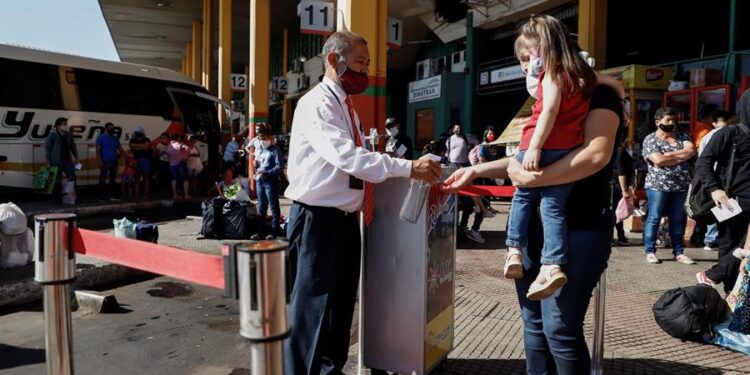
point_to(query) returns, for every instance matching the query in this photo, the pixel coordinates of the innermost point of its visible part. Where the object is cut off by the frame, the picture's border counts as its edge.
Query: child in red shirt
(128, 176)
(562, 82)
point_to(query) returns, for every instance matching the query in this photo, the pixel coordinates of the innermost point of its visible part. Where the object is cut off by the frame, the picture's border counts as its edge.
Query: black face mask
(667, 128)
(111, 131)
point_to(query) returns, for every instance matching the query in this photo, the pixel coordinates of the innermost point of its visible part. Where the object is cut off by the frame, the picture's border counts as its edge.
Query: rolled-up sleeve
(330, 139)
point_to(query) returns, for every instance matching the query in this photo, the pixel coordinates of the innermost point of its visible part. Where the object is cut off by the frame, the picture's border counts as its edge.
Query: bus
(37, 87)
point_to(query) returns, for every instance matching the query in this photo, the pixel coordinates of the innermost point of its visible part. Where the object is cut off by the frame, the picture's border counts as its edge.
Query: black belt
(332, 210)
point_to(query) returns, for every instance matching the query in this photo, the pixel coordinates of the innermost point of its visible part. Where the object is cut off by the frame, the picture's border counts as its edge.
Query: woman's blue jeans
(672, 205)
(553, 328)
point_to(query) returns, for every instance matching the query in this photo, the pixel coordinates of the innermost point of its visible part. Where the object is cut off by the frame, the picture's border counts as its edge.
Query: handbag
(44, 180)
(699, 202)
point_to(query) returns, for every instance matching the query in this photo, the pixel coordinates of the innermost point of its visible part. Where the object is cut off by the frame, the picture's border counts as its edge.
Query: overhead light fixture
(145, 70)
(162, 4)
(302, 59)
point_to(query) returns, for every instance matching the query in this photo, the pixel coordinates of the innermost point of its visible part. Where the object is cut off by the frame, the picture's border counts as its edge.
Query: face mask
(111, 131)
(667, 128)
(392, 132)
(533, 71)
(266, 144)
(490, 137)
(353, 82)
(456, 131)
(63, 129)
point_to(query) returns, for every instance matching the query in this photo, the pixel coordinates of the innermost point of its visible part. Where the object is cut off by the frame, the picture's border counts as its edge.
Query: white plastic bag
(124, 228)
(16, 250)
(12, 219)
(69, 192)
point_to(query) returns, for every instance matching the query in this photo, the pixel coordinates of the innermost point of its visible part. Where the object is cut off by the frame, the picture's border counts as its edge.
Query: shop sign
(239, 82)
(424, 89)
(395, 32)
(505, 74)
(316, 17)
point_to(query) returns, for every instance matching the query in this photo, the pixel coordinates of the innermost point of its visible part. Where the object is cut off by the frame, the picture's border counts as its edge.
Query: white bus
(37, 87)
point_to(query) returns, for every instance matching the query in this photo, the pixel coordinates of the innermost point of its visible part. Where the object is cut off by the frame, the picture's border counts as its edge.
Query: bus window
(29, 85)
(116, 93)
(198, 114)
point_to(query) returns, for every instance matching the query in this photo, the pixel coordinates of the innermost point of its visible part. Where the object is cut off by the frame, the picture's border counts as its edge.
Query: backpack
(691, 312)
(212, 225)
(145, 231)
(474, 155)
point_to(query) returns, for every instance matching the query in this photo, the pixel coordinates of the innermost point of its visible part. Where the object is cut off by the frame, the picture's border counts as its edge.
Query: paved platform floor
(488, 331)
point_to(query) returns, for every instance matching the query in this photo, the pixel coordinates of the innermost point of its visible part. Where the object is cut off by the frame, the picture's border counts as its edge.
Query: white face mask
(532, 75)
(392, 132)
(266, 144)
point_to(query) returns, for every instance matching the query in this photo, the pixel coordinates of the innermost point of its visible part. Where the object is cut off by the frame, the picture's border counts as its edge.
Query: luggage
(145, 231)
(234, 215)
(44, 180)
(213, 225)
(690, 313)
(16, 250)
(12, 219)
(124, 228)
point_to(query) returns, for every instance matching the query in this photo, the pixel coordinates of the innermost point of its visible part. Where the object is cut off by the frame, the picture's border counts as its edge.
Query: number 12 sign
(317, 17)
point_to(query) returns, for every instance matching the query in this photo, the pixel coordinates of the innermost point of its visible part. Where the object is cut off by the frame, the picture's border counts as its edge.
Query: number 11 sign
(317, 17)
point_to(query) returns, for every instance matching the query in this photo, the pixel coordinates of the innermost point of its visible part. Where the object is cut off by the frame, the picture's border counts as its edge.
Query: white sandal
(538, 292)
(513, 268)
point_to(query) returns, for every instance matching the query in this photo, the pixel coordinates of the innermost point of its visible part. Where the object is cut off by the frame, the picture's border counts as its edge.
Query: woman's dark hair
(721, 115)
(265, 131)
(174, 136)
(164, 135)
(664, 112)
(487, 130)
(60, 120)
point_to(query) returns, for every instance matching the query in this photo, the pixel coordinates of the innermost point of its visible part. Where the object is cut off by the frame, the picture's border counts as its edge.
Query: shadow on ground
(611, 366)
(13, 356)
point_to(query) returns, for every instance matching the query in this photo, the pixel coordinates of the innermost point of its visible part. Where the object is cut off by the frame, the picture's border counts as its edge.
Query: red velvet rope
(488, 191)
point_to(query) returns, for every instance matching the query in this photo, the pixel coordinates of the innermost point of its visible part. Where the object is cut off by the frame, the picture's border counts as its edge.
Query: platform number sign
(239, 82)
(395, 32)
(317, 17)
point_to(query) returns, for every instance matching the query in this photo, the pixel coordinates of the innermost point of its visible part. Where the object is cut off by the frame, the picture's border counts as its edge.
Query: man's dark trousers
(324, 256)
(731, 233)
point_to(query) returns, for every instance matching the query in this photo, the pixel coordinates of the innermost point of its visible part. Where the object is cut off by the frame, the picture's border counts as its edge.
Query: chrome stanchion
(56, 270)
(264, 301)
(597, 352)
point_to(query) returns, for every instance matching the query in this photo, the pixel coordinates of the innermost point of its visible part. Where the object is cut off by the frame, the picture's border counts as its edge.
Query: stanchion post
(597, 352)
(55, 269)
(264, 300)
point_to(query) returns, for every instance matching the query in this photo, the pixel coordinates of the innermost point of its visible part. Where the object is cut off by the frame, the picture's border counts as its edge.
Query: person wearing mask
(141, 147)
(667, 152)
(194, 164)
(704, 124)
(178, 153)
(554, 340)
(269, 165)
(164, 174)
(398, 144)
(712, 168)
(108, 153)
(720, 120)
(330, 178)
(231, 156)
(457, 148)
(622, 183)
(60, 151)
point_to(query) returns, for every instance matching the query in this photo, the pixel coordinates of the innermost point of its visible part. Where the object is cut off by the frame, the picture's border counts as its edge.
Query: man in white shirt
(458, 148)
(326, 168)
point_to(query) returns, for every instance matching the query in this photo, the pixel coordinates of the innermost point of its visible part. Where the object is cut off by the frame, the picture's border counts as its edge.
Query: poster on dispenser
(441, 244)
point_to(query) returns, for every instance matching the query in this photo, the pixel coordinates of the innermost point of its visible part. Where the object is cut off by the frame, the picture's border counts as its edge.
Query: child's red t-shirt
(567, 132)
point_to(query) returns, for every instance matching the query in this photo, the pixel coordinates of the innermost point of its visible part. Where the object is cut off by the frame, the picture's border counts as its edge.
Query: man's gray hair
(339, 43)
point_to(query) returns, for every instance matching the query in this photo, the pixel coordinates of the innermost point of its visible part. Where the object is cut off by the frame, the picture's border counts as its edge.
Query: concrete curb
(28, 290)
(85, 211)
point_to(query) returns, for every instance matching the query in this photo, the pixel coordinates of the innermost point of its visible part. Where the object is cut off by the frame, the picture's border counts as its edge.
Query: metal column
(56, 270)
(597, 351)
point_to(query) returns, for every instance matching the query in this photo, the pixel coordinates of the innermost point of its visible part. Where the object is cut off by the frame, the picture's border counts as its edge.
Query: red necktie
(367, 208)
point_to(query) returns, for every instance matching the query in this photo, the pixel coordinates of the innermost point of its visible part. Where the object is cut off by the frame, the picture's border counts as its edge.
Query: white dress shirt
(322, 153)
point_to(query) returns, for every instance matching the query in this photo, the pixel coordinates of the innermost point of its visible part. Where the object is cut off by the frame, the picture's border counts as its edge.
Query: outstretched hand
(458, 180)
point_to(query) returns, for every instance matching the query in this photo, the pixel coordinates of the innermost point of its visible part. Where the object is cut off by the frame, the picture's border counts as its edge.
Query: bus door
(199, 117)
